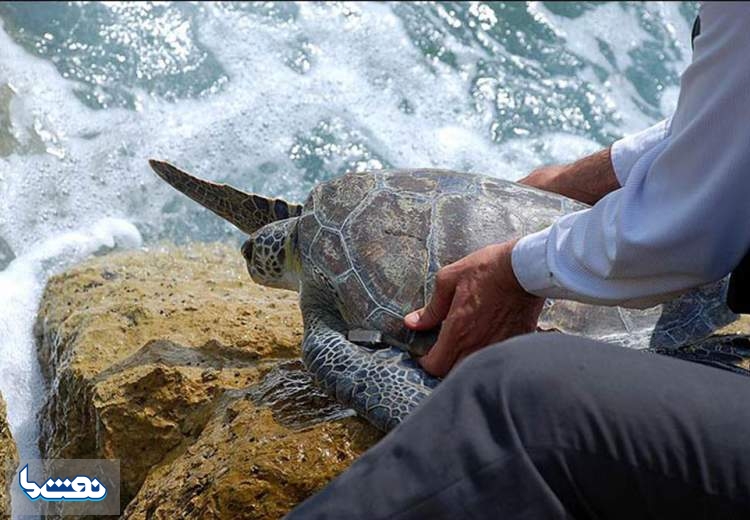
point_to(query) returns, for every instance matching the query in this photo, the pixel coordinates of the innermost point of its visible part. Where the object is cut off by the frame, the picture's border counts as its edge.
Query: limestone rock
(269, 468)
(142, 351)
(8, 457)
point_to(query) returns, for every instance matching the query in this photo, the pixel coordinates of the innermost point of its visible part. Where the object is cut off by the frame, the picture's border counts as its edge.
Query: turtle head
(271, 251)
(272, 255)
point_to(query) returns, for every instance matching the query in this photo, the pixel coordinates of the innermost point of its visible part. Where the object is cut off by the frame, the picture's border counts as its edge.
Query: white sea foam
(360, 64)
(21, 286)
(612, 24)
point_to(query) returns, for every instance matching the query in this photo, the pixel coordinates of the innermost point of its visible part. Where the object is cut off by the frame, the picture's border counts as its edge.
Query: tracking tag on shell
(365, 337)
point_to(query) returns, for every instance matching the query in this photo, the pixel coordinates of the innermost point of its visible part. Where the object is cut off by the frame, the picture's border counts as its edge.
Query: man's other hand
(479, 301)
(586, 180)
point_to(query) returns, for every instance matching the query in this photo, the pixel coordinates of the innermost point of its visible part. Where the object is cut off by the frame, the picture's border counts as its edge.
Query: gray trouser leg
(551, 426)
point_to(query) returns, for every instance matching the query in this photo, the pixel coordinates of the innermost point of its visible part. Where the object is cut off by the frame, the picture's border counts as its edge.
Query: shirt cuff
(529, 262)
(626, 151)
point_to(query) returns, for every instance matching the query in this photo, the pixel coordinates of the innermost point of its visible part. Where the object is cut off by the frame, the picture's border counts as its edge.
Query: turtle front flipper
(247, 211)
(381, 385)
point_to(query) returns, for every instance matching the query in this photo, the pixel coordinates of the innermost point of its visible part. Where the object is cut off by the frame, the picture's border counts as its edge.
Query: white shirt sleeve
(682, 216)
(626, 151)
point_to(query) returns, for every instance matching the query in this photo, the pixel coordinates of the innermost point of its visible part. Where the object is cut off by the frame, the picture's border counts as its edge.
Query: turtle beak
(247, 249)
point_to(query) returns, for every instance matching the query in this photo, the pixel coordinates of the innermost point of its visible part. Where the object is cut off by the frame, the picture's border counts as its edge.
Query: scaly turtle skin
(364, 249)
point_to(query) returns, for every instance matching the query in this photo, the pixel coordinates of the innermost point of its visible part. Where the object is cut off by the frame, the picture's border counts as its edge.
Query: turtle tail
(247, 211)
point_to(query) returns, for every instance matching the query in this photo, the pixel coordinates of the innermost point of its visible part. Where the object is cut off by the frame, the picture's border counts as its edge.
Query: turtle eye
(247, 249)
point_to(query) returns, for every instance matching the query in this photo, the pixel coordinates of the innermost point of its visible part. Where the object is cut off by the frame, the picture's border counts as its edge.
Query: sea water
(274, 97)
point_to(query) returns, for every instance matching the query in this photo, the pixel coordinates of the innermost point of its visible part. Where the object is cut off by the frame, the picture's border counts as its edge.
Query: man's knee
(521, 356)
(530, 368)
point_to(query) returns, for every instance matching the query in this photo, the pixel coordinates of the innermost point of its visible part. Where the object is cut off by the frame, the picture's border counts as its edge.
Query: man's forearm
(586, 180)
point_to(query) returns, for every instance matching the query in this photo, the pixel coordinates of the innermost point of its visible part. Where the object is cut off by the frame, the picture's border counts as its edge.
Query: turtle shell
(375, 241)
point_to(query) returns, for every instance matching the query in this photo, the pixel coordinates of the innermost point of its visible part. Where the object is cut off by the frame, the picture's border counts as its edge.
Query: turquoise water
(275, 97)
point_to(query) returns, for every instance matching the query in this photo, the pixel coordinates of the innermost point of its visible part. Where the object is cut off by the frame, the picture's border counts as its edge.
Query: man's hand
(479, 302)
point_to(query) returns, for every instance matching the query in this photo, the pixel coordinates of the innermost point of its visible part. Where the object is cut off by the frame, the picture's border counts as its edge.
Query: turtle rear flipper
(730, 352)
(247, 211)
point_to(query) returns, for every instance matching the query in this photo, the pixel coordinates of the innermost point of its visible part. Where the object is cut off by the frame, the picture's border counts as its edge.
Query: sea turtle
(364, 249)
